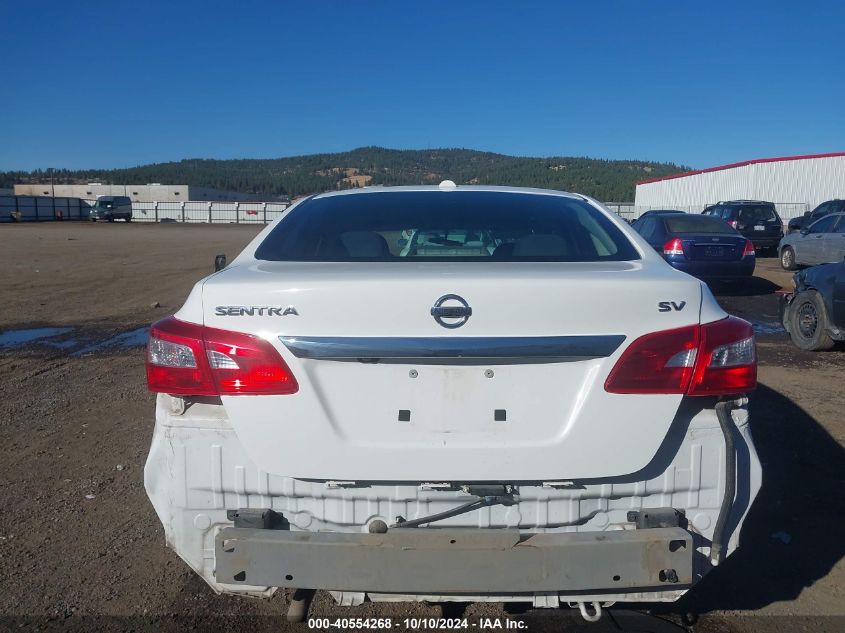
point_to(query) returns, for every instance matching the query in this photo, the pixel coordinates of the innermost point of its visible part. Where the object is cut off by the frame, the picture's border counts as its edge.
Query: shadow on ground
(753, 287)
(793, 533)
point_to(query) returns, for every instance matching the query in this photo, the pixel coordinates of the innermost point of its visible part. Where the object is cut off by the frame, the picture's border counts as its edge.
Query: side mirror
(807, 214)
(219, 262)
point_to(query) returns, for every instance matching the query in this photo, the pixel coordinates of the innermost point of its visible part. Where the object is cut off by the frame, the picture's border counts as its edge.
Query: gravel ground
(80, 546)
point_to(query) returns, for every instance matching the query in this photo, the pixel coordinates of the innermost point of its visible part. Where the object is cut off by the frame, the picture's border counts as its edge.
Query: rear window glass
(759, 213)
(446, 226)
(697, 224)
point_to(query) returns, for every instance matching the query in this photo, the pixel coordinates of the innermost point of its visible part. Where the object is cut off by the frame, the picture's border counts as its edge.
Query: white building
(794, 183)
(153, 192)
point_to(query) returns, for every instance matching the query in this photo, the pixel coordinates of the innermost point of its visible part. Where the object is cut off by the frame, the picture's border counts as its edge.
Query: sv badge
(669, 306)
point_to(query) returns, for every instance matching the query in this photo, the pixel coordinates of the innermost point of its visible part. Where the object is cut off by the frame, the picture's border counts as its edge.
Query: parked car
(831, 206)
(111, 208)
(756, 220)
(559, 421)
(705, 247)
(820, 243)
(814, 314)
(652, 212)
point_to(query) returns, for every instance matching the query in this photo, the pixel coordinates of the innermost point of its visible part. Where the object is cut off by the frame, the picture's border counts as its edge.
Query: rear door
(815, 245)
(839, 297)
(835, 241)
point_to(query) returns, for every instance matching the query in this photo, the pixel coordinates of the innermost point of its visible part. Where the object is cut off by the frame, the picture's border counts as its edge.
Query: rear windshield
(759, 213)
(445, 226)
(697, 224)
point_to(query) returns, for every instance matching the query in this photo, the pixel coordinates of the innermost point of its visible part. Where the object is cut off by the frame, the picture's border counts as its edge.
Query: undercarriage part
(258, 518)
(657, 517)
(299, 602)
(482, 502)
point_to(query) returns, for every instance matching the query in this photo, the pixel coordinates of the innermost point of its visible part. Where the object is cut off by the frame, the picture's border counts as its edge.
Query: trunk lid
(388, 394)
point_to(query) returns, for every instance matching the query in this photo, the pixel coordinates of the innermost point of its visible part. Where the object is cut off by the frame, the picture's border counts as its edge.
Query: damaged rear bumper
(427, 561)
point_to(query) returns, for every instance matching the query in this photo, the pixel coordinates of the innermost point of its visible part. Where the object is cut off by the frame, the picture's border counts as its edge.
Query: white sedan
(558, 420)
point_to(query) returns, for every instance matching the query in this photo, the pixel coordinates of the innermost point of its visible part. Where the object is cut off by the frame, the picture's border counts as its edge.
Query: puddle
(81, 342)
(767, 327)
(17, 338)
(68, 344)
(132, 338)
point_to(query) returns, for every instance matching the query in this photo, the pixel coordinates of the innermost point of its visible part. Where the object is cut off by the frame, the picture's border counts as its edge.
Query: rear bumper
(430, 561)
(765, 242)
(198, 470)
(716, 270)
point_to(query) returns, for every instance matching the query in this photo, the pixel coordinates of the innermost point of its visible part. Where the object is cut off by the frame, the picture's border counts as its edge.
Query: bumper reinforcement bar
(425, 561)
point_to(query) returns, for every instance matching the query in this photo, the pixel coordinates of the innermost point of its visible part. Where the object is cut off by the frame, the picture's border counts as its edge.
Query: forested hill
(607, 180)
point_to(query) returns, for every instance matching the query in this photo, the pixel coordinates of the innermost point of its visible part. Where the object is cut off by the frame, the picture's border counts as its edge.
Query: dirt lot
(81, 547)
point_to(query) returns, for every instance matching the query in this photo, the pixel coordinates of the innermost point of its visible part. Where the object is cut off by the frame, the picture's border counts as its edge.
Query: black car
(814, 314)
(702, 246)
(756, 220)
(831, 206)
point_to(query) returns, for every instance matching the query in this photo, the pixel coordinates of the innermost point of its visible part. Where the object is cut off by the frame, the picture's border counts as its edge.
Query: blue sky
(114, 83)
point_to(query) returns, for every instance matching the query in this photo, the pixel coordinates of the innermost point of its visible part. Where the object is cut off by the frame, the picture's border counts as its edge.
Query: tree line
(608, 180)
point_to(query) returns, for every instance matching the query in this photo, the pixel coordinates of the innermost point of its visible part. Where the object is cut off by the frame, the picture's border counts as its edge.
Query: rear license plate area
(714, 251)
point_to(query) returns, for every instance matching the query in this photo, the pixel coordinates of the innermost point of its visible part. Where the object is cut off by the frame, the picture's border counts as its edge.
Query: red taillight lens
(699, 360)
(673, 247)
(660, 362)
(176, 359)
(242, 363)
(727, 359)
(733, 223)
(189, 359)
(749, 249)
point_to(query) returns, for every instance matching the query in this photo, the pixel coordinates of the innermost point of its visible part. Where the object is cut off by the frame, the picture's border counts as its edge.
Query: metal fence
(208, 212)
(40, 209)
(36, 209)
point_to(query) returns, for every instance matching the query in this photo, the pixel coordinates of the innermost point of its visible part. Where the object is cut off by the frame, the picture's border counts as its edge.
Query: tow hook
(593, 616)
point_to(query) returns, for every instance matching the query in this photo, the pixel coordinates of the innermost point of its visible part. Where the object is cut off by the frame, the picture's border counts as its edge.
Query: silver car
(822, 242)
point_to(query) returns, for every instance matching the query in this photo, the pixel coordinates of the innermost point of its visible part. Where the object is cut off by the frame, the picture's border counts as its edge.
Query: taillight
(733, 223)
(189, 359)
(727, 359)
(749, 249)
(717, 358)
(673, 247)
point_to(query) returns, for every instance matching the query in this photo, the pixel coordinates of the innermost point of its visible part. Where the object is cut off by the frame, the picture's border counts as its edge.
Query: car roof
(746, 202)
(459, 188)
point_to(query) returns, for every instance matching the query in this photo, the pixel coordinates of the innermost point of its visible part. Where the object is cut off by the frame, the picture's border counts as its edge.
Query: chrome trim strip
(449, 347)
